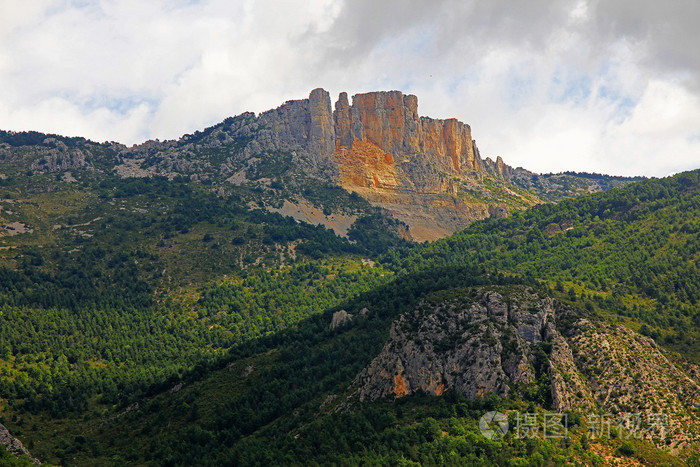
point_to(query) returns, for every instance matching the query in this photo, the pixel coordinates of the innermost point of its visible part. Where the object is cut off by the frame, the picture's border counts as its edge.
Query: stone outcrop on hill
(390, 121)
(417, 168)
(478, 348)
(386, 122)
(52, 156)
(498, 340)
(14, 445)
(339, 318)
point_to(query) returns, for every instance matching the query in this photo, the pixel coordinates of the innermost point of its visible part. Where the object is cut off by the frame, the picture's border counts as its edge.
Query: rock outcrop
(49, 155)
(497, 340)
(339, 318)
(13, 445)
(390, 121)
(478, 348)
(387, 120)
(417, 168)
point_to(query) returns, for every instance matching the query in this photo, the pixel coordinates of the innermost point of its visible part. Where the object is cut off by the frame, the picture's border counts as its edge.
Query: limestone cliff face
(303, 126)
(408, 164)
(322, 127)
(387, 121)
(379, 147)
(390, 121)
(413, 166)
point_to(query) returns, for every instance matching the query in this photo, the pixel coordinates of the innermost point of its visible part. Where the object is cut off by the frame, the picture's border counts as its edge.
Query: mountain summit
(426, 173)
(422, 170)
(382, 123)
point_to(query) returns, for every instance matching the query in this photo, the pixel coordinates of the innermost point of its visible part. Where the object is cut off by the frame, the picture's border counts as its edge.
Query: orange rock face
(366, 165)
(390, 121)
(383, 120)
(381, 123)
(405, 163)
(426, 172)
(379, 147)
(400, 389)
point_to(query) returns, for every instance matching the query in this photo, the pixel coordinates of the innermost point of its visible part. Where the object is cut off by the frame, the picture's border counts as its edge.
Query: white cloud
(60, 116)
(549, 85)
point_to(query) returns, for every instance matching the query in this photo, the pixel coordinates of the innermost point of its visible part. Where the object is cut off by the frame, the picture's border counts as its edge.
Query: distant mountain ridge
(426, 173)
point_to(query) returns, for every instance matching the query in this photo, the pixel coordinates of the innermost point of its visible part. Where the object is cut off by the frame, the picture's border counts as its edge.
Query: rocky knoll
(498, 340)
(476, 345)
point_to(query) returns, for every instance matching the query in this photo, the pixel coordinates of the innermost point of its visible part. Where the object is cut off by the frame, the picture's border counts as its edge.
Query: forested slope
(632, 252)
(154, 345)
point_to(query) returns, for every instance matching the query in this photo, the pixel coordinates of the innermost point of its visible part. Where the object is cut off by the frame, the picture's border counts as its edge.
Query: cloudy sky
(607, 86)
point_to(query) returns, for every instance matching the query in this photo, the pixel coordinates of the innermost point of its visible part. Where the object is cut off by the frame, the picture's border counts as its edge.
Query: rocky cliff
(390, 121)
(426, 172)
(509, 340)
(386, 122)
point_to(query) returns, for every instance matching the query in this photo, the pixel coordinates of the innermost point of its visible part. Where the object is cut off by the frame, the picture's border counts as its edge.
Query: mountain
(425, 173)
(586, 307)
(354, 389)
(167, 304)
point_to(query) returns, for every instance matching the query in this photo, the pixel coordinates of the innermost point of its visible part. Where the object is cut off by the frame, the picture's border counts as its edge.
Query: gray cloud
(662, 33)
(607, 86)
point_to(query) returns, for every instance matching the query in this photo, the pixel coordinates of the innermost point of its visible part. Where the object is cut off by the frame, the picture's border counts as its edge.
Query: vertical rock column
(412, 134)
(322, 137)
(343, 122)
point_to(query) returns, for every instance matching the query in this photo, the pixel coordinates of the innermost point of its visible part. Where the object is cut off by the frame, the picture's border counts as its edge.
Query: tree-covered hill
(631, 251)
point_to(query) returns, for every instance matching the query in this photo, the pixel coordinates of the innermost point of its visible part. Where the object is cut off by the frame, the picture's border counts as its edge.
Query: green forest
(129, 318)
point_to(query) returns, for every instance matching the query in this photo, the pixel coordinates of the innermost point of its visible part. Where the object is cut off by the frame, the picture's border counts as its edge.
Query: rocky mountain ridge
(426, 173)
